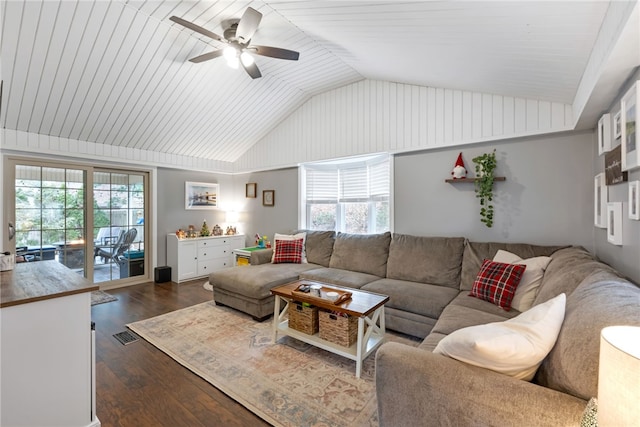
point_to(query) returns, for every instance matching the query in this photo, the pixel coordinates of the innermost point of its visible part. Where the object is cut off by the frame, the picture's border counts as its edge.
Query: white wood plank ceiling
(116, 72)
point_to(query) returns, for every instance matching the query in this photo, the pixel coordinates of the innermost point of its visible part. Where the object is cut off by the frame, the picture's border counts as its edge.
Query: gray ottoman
(248, 288)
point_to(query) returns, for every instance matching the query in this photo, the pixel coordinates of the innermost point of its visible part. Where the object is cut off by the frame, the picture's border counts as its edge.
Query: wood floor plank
(137, 384)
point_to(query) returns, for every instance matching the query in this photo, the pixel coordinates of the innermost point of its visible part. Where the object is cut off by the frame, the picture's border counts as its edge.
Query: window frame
(304, 208)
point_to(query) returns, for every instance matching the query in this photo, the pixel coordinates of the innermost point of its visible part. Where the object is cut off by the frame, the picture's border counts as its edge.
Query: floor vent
(125, 337)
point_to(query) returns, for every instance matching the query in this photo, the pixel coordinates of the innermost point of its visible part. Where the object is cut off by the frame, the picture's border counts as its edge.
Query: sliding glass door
(52, 219)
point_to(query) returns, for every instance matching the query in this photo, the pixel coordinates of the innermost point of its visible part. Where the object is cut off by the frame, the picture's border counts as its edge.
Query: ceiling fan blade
(252, 70)
(207, 56)
(275, 52)
(196, 28)
(248, 25)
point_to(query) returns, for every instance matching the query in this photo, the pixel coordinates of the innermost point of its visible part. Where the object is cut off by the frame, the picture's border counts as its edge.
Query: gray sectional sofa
(428, 280)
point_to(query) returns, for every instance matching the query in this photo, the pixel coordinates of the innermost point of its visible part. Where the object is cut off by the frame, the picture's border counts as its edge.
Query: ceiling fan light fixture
(234, 63)
(230, 53)
(247, 59)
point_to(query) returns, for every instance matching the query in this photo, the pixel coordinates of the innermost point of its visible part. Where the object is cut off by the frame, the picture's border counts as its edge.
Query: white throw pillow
(515, 347)
(302, 236)
(529, 285)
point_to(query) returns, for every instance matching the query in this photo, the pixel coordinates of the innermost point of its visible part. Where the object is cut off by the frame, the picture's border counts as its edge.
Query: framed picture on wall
(251, 190)
(600, 198)
(634, 200)
(614, 223)
(617, 125)
(629, 142)
(268, 198)
(201, 195)
(604, 134)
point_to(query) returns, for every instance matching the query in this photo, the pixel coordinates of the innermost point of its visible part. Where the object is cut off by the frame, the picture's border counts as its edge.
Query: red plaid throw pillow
(288, 251)
(496, 282)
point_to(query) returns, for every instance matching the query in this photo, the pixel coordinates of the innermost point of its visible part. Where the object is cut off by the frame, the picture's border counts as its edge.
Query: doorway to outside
(52, 218)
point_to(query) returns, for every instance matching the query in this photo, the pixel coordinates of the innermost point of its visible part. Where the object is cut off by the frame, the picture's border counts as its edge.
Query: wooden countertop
(41, 280)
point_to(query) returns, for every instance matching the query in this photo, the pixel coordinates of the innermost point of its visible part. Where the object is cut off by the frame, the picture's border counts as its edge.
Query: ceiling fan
(237, 37)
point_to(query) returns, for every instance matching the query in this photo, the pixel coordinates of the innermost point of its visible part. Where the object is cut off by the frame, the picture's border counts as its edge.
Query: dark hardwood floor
(137, 384)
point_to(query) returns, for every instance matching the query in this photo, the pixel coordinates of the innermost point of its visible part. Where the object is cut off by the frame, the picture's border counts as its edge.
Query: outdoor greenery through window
(350, 195)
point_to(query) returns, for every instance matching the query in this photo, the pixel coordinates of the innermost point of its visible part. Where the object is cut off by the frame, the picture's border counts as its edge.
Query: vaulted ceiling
(117, 72)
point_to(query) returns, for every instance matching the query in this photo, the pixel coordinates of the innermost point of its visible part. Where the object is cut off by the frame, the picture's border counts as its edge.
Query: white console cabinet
(197, 257)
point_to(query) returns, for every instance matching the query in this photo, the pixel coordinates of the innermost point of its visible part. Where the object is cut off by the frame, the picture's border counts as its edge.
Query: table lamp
(619, 377)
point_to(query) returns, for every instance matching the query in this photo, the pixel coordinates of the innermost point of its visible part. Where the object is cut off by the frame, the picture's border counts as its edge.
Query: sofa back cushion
(567, 269)
(319, 246)
(366, 253)
(432, 260)
(476, 252)
(602, 299)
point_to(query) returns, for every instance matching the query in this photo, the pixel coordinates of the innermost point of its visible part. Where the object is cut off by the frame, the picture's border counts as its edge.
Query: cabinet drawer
(212, 252)
(212, 265)
(219, 241)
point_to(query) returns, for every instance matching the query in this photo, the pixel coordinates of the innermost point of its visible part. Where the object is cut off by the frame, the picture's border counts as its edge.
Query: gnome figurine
(459, 170)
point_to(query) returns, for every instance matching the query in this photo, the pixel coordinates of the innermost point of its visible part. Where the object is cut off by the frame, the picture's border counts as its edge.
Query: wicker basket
(338, 329)
(303, 318)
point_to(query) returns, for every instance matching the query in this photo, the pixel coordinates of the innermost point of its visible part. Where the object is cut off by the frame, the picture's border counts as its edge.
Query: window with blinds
(351, 195)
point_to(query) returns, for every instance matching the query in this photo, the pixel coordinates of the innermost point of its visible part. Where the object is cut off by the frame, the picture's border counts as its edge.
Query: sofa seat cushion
(434, 260)
(476, 252)
(470, 313)
(336, 276)
(602, 299)
(365, 253)
(256, 281)
(419, 298)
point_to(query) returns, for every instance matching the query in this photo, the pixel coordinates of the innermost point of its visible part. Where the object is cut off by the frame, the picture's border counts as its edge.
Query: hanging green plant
(485, 166)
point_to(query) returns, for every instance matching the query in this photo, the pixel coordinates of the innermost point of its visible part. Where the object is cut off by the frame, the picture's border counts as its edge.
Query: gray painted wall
(546, 198)
(283, 216)
(171, 212)
(253, 217)
(624, 258)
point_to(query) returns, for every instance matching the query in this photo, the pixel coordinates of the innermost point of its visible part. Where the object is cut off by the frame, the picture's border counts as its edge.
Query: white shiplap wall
(37, 144)
(374, 116)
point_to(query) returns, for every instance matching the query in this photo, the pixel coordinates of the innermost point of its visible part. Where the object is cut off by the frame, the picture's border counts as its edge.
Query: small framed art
(604, 134)
(617, 125)
(600, 198)
(634, 200)
(268, 198)
(614, 223)
(201, 195)
(630, 151)
(251, 190)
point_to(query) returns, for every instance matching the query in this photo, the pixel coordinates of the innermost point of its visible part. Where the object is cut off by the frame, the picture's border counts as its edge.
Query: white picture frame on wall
(604, 134)
(614, 223)
(600, 198)
(629, 142)
(617, 125)
(634, 200)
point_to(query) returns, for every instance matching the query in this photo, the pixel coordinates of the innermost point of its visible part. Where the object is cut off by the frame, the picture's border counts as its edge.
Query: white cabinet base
(198, 257)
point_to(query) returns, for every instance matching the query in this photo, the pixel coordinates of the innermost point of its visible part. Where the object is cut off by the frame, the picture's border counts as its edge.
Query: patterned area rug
(100, 297)
(286, 384)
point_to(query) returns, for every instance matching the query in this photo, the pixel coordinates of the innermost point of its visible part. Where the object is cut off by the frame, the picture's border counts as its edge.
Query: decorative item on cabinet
(204, 231)
(217, 230)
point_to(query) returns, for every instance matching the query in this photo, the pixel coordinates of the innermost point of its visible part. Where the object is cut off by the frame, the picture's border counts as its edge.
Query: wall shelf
(452, 181)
